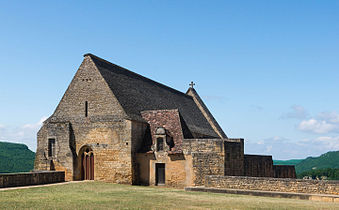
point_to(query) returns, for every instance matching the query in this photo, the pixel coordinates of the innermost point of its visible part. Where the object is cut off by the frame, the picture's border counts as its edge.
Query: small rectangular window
(86, 108)
(160, 144)
(51, 147)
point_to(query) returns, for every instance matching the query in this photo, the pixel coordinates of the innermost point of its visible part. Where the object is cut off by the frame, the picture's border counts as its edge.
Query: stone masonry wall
(178, 169)
(88, 85)
(31, 178)
(273, 184)
(62, 158)
(41, 162)
(203, 145)
(200, 157)
(111, 145)
(109, 141)
(102, 129)
(207, 158)
(207, 163)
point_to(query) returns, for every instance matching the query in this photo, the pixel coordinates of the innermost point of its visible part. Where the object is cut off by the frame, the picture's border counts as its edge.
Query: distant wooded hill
(325, 165)
(15, 158)
(287, 162)
(327, 160)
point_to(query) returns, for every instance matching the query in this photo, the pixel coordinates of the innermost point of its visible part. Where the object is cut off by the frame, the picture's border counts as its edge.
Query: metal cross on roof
(192, 84)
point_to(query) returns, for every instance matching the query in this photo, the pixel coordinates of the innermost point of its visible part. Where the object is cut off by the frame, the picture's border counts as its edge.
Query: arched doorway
(87, 164)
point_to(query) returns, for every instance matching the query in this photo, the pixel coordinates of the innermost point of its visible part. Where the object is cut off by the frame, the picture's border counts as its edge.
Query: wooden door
(160, 173)
(91, 164)
(83, 166)
(88, 166)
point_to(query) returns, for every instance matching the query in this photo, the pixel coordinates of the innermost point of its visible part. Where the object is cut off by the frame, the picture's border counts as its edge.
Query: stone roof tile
(137, 93)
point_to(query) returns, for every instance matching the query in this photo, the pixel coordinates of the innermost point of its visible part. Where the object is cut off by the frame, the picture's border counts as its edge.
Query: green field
(100, 195)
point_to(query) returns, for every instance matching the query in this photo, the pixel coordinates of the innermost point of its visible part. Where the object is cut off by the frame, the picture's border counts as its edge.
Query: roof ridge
(151, 110)
(138, 75)
(206, 112)
(137, 93)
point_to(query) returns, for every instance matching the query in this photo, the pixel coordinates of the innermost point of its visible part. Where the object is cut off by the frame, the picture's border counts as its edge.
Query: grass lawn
(100, 195)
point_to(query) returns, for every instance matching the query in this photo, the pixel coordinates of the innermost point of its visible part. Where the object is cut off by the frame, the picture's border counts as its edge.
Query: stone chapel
(118, 126)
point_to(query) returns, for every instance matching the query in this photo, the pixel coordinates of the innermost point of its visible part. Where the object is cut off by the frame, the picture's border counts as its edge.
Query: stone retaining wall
(31, 178)
(273, 184)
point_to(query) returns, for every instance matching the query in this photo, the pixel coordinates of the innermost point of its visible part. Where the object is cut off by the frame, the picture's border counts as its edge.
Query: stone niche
(163, 142)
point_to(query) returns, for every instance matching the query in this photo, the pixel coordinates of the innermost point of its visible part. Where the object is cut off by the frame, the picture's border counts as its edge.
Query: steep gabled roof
(203, 108)
(136, 93)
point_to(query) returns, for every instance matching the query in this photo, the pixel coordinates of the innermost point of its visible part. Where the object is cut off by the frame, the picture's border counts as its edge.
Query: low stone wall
(31, 178)
(273, 184)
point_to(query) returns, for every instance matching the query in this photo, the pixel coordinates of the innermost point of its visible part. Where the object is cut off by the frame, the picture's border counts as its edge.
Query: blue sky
(268, 70)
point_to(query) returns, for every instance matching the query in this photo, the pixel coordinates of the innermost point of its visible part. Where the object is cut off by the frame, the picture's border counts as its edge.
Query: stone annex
(115, 125)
